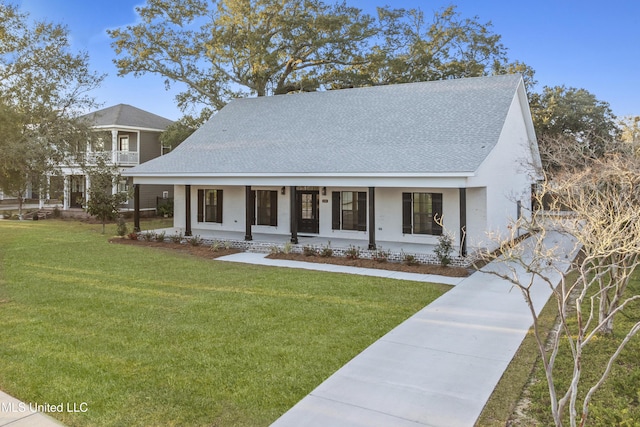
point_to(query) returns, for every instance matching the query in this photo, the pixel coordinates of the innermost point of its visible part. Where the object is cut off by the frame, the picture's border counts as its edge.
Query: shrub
(160, 237)
(410, 259)
(326, 251)
(274, 250)
(133, 236)
(352, 252)
(444, 248)
(177, 238)
(195, 240)
(309, 250)
(381, 256)
(58, 214)
(122, 227)
(148, 236)
(287, 248)
(216, 245)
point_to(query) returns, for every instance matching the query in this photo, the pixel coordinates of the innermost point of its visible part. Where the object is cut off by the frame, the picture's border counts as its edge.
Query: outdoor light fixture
(324, 191)
(282, 190)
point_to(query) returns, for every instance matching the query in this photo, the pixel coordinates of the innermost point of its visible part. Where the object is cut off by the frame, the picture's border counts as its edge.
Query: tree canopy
(233, 48)
(571, 125)
(43, 87)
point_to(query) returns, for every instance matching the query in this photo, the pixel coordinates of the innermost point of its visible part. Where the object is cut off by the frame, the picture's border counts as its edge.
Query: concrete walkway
(438, 368)
(15, 413)
(259, 258)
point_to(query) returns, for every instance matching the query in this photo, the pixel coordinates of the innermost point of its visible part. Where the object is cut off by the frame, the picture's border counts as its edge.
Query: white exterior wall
(507, 175)
(388, 208)
(389, 214)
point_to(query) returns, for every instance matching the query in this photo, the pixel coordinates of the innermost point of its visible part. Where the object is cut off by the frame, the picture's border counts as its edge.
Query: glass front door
(308, 211)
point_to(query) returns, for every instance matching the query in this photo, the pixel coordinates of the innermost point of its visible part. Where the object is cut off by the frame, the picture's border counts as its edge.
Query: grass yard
(617, 403)
(149, 337)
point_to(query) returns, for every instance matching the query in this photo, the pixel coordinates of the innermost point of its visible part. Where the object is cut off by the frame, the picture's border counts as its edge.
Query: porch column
(293, 212)
(87, 186)
(114, 146)
(187, 210)
(66, 192)
(136, 208)
(463, 221)
(372, 218)
(248, 212)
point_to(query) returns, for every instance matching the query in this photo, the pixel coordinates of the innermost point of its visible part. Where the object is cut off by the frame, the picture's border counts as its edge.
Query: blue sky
(590, 44)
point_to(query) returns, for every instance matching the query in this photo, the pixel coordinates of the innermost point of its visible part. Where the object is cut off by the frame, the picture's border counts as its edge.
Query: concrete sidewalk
(438, 368)
(259, 259)
(15, 413)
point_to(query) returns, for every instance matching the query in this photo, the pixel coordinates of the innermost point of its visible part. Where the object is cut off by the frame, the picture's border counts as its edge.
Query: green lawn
(617, 403)
(148, 337)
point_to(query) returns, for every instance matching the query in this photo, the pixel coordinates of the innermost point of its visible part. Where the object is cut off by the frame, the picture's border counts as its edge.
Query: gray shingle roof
(127, 115)
(431, 127)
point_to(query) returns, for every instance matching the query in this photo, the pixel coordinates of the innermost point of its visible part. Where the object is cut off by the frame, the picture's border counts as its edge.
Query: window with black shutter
(420, 213)
(210, 206)
(349, 210)
(267, 207)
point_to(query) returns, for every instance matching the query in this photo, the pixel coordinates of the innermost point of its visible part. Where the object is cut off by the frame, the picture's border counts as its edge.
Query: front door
(76, 191)
(308, 210)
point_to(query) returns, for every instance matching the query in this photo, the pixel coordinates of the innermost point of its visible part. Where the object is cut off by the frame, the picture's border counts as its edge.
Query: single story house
(399, 163)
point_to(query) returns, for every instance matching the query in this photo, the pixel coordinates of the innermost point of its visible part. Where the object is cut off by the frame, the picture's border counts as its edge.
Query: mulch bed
(205, 251)
(202, 251)
(369, 263)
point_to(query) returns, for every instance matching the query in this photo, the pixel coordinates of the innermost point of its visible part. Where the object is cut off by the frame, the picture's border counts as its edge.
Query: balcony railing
(123, 158)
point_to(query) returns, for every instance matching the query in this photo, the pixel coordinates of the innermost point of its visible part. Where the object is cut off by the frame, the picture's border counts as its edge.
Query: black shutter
(219, 207)
(436, 205)
(335, 210)
(273, 217)
(362, 211)
(200, 205)
(407, 213)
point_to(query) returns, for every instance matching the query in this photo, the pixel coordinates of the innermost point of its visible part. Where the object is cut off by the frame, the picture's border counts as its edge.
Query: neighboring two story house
(387, 163)
(131, 137)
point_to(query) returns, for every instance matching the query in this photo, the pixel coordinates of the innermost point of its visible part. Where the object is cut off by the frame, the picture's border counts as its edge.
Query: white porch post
(66, 192)
(114, 146)
(87, 185)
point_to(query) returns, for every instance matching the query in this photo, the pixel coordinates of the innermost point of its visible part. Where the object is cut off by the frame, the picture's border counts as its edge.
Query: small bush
(58, 214)
(352, 252)
(216, 245)
(309, 250)
(326, 251)
(121, 228)
(148, 236)
(410, 259)
(444, 248)
(132, 236)
(177, 238)
(195, 241)
(226, 244)
(286, 249)
(274, 250)
(381, 256)
(161, 237)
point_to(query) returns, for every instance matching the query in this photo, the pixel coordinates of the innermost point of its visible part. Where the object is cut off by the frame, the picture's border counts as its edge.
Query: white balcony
(120, 158)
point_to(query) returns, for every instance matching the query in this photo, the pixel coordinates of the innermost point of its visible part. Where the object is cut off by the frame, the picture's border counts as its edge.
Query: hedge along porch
(374, 164)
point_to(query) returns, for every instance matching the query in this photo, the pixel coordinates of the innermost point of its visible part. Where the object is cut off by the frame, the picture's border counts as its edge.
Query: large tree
(570, 120)
(230, 48)
(43, 89)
